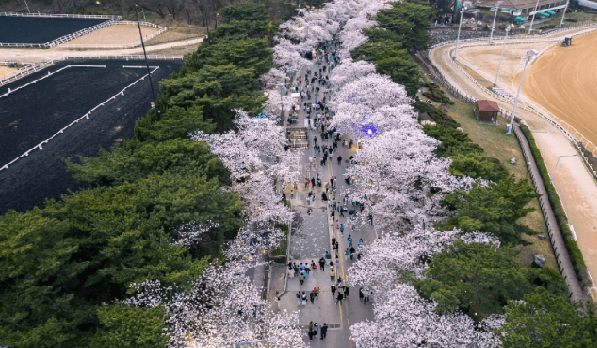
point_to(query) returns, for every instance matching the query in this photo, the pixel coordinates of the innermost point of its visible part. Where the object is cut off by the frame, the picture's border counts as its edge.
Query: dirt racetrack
(117, 34)
(43, 108)
(5, 70)
(576, 187)
(564, 81)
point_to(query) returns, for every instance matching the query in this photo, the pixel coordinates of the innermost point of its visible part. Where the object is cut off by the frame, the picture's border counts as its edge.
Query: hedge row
(554, 201)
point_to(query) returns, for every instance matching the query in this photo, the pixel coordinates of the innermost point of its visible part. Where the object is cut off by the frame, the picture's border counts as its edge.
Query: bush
(554, 201)
(438, 115)
(436, 94)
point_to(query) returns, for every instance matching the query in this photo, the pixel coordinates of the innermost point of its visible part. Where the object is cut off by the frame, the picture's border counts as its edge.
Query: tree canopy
(494, 209)
(480, 279)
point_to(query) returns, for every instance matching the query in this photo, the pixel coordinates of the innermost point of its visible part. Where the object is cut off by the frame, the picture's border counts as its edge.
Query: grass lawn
(581, 16)
(503, 147)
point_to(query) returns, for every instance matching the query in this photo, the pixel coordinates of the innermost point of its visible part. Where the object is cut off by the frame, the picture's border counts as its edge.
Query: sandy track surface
(564, 81)
(42, 55)
(112, 35)
(576, 186)
(4, 71)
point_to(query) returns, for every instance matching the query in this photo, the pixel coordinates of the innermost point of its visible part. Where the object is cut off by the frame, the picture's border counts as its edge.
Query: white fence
(128, 56)
(569, 131)
(86, 116)
(52, 15)
(129, 45)
(27, 70)
(62, 39)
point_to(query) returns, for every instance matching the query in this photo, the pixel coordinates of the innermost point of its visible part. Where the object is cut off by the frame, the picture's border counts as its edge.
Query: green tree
(252, 54)
(544, 320)
(409, 19)
(475, 278)
(175, 123)
(453, 142)
(389, 59)
(478, 166)
(37, 270)
(241, 21)
(218, 89)
(136, 160)
(134, 327)
(494, 209)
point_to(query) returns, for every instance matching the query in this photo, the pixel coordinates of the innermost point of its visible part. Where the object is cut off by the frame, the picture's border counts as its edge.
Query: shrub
(554, 201)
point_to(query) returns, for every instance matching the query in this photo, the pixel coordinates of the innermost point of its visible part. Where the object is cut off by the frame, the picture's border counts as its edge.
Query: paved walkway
(37, 55)
(311, 238)
(575, 185)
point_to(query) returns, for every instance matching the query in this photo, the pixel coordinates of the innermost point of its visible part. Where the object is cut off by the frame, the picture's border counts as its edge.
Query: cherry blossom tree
(221, 308)
(404, 319)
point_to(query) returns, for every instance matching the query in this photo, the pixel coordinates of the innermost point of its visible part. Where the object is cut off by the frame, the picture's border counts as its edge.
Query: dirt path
(112, 35)
(577, 189)
(5, 71)
(40, 55)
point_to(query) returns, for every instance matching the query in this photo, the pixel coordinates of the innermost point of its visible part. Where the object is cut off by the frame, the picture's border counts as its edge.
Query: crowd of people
(313, 85)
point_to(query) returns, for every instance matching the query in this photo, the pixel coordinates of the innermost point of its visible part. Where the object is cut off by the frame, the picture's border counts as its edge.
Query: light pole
(564, 13)
(497, 4)
(530, 54)
(458, 38)
(502, 56)
(556, 168)
(532, 19)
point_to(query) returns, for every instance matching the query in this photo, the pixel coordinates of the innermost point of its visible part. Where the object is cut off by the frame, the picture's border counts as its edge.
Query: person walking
(346, 292)
(339, 298)
(311, 331)
(346, 253)
(312, 297)
(339, 160)
(371, 297)
(322, 264)
(366, 293)
(324, 330)
(302, 278)
(361, 294)
(352, 250)
(333, 287)
(341, 228)
(349, 241)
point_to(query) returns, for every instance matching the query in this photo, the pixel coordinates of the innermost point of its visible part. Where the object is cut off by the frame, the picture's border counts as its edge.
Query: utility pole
(155, 100)
(206, 22)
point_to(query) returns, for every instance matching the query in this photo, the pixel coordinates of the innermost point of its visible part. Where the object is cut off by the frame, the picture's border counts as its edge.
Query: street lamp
(458, 38)
(530, 54)
(239, 344)
(532, 19)
(497, 4)
(556, 168)
(564, 13)
(502, 56)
